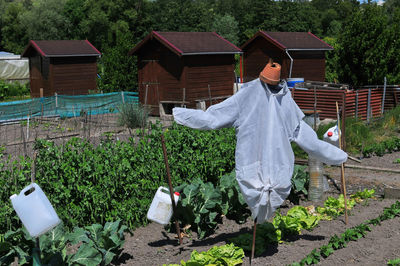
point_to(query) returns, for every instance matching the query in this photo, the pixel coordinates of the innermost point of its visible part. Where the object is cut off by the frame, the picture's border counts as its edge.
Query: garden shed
(67, 67)
(184, 69)
(301, 54)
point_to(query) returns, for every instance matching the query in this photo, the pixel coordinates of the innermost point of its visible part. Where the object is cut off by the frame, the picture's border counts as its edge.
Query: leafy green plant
(351, 234)
(133, 115)
(226, 255)
(365, 194)
(394, 262)
(397, 160)
(98, 245)
(296, 219)
(300, 182)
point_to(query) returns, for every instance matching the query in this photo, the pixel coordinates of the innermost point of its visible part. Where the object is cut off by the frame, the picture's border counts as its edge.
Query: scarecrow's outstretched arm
(308, 140)
(216, 116)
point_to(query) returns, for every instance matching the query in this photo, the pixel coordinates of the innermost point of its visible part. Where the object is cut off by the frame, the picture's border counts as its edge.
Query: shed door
(150, 86)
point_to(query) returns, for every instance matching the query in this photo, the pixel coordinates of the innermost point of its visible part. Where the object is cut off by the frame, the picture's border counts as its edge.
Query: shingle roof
(292, 40)
(62, 48)
(191, 43)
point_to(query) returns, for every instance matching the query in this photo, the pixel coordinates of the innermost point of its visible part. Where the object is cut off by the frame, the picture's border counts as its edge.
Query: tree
(227, 27)
(45, 20)
(13, 32)
(368, 48)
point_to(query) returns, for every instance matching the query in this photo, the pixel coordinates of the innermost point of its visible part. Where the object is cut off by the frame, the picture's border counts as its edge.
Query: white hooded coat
(265, 123)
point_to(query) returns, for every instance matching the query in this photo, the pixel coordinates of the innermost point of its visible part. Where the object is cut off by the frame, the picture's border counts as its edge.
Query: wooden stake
(342, 170)
(253, 247)
(171, 189)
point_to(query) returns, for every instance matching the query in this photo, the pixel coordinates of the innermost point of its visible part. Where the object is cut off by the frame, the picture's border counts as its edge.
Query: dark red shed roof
(292, 40)
(191, 43)
(61, 48)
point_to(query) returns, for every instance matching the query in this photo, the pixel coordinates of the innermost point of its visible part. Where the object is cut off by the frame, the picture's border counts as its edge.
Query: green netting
(66, 106)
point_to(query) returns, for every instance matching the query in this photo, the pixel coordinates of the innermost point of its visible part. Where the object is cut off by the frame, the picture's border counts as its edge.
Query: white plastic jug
(160, 210)
(35, 210)
(332, 136)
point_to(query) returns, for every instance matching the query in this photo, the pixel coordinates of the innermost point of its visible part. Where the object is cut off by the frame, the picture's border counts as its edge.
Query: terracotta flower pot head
(271, 73)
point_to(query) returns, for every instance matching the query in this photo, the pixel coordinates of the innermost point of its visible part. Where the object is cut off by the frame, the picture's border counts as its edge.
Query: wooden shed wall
(67, 76)
(256, 56)
(162, 73)
(73, 75)
(169, 77)
(309, 65)
(216, 71)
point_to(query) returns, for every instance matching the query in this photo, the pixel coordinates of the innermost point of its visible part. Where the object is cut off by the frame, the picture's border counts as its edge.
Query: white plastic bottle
(160, 210)
(35, 210)
(332, 136)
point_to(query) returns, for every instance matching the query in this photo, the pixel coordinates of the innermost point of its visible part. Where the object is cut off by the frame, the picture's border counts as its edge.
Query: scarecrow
(266, 120)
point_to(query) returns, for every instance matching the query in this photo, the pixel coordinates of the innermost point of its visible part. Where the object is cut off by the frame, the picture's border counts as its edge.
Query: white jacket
(265, 124)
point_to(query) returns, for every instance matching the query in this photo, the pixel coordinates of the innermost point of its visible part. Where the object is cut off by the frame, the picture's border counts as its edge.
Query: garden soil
(154, 245)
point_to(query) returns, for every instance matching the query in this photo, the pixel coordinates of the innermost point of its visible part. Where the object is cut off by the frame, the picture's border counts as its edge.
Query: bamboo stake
(253, 247)
(171, 189)
(342, 170)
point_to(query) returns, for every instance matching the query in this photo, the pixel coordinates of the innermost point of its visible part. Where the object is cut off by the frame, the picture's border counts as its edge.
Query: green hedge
(115, 180)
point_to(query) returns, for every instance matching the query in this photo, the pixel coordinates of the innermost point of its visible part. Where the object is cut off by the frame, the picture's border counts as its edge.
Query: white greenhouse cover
(266, 121)
(13, 67)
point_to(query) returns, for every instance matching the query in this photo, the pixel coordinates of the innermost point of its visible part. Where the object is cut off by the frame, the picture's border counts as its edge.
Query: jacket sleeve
(325, 152)
(216, 116)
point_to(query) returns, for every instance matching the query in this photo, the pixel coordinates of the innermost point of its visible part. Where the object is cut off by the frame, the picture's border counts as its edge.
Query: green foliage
(89, 184)
(202, 204)
(98, 245)
(365, 194)
(351, 234)
(394, 262)
(300, 181)
(10, 90)
(227, 27)
(365, 48)
(133, 115)
(296, 219)
(226, 255)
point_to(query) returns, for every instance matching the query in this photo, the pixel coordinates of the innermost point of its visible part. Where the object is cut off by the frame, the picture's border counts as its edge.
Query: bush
(133, 115)
(8, 90)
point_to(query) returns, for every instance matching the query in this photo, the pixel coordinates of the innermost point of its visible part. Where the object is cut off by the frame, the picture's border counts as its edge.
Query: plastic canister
(316, 186)
(332, 136)
(160, 210)
(35, 210)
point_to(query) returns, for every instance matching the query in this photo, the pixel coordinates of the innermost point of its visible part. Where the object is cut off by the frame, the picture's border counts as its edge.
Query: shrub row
(115, 180)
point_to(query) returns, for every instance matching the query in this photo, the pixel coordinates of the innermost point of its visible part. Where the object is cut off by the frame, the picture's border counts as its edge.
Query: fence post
(383, 96)
(122, 96)
(56, 98)
(356, 104)
(41, 99)
(369, 105)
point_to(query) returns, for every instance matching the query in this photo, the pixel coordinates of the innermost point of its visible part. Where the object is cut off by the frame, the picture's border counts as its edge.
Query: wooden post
(41, 99)
(253, 246)
(171, 189)
(383, 96)
(343, 181)
(209, 94)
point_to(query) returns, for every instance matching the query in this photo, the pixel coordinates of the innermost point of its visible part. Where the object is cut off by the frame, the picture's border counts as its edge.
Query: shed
(67, 67)
(184, 68)
(301, 54)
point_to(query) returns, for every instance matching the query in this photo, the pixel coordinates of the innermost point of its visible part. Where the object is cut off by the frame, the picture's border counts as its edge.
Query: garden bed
(153, 245)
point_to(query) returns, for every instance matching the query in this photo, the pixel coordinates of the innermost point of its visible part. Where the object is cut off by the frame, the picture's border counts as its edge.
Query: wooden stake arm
(171, 189)
(343, 185)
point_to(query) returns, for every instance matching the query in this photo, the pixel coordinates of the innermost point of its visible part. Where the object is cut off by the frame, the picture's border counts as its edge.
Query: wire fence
(60, 118)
